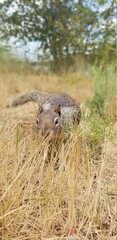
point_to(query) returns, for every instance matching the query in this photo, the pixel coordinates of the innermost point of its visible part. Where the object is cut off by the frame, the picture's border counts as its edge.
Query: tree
(64, 28)
(106, 30)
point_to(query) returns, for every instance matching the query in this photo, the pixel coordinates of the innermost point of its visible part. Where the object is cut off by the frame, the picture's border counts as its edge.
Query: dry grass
(37, 202)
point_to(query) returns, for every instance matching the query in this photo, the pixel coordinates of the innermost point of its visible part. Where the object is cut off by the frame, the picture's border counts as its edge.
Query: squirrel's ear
(40, 110)
(58, 109)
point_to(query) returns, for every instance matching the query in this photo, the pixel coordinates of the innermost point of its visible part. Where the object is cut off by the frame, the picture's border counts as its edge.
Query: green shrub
(105, 88)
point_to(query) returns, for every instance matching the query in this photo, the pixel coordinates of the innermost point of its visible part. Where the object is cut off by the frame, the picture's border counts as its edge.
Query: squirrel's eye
(37, 122)
(56, 121)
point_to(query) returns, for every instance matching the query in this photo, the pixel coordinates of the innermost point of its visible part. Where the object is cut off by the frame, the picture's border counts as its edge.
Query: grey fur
(34, 96)
(68, 111)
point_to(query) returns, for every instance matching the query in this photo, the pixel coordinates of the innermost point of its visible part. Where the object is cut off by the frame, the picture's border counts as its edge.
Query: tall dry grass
(79, 199)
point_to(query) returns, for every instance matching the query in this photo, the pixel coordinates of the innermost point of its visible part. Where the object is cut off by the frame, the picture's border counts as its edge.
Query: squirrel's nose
(46, 130)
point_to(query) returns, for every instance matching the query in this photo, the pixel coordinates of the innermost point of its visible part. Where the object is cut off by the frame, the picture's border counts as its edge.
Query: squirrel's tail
(35, 96)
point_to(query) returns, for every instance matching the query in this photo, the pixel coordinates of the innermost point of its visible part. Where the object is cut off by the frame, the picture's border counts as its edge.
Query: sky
(28, 52)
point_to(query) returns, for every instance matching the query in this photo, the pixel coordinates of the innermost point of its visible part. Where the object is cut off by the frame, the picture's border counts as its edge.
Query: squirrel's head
(49, 122)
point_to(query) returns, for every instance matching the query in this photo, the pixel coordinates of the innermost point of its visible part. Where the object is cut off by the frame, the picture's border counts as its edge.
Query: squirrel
(56, 111)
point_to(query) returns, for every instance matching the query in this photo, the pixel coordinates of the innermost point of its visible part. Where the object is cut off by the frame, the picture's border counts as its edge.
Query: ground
(38, 202)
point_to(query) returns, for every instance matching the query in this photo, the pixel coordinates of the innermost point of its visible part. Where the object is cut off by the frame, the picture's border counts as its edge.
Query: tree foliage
(64, 28)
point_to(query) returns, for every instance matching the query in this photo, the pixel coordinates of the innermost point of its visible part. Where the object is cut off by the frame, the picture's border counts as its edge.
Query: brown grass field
(39, 202)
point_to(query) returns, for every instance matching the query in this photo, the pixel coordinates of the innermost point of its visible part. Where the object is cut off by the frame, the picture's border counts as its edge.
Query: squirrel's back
(56, 111)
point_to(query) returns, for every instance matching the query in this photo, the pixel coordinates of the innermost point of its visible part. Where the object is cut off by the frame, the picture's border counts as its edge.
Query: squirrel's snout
(46, 130)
